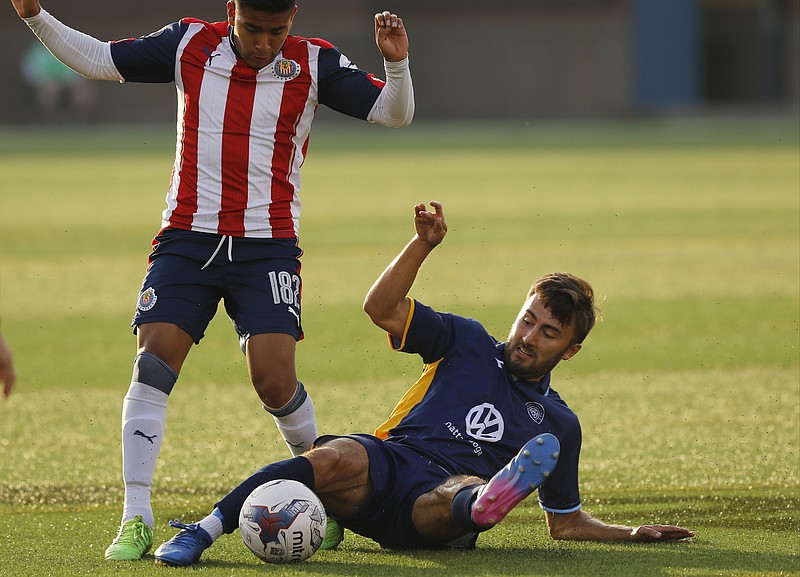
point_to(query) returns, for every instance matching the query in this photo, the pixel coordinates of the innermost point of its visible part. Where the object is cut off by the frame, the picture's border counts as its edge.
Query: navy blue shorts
(258, 280)
(400, 476)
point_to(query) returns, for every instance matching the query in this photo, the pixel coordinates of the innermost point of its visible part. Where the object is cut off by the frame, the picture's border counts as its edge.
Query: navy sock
(461, 509)
(296, 469)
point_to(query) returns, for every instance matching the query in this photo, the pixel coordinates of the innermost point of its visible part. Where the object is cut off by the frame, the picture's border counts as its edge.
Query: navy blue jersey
(469, 415)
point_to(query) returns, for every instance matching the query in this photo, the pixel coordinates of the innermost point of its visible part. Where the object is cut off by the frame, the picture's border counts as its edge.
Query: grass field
(688, 391)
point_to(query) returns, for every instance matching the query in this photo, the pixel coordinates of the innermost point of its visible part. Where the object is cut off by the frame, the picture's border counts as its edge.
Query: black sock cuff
(461, 510)
(300, 396)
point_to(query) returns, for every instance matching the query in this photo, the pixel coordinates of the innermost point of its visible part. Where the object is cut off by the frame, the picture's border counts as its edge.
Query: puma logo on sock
(137, 432)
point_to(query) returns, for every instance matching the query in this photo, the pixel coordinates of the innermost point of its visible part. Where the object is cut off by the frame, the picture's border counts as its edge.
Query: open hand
(660, 533)
(431, 226)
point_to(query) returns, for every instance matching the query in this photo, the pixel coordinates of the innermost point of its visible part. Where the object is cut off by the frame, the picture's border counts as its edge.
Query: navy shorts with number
(258, 280)
(399, 477)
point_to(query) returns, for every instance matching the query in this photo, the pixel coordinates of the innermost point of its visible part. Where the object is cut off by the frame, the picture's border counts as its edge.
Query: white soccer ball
(282, 521)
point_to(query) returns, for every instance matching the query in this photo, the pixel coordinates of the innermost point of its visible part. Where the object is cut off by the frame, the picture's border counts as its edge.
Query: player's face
(259, 35)
(537, 342)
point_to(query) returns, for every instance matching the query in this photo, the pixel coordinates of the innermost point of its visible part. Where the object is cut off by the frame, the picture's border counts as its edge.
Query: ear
(231, 8)
(571, 351)
(291, 19)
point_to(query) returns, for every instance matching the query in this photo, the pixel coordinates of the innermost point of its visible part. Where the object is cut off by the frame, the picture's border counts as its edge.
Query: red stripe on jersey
(320, 42)
(192, 69)
(376, 81)
(293, 103)
(236, 149)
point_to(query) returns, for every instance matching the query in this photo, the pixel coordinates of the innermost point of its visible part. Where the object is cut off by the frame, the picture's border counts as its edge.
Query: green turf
(688, 391)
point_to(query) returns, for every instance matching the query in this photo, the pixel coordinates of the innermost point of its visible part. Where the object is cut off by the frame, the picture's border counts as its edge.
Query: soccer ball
(282, 521)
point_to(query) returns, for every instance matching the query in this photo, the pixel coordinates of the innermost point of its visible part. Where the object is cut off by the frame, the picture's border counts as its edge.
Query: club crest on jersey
(147, 300)
(286, 70)
(535, 412)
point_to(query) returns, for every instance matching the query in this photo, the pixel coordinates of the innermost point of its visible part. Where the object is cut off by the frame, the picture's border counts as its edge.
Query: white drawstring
(219, 246)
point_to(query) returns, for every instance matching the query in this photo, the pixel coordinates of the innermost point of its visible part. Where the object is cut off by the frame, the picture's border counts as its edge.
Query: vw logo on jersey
(147, 299)
(285, 70)
(535, 412)
(485, 423)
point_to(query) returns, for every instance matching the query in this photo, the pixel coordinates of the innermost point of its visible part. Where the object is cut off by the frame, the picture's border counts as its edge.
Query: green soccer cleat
(334, 534)
(133, 540)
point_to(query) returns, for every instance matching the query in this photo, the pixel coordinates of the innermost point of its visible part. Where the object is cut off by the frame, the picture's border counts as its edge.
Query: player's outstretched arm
(85, 54)
(580, 526)
(26, 8)
(386, 302)
(390, 36)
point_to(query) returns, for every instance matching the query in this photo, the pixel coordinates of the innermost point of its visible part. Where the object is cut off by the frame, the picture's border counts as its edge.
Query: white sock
(144, 413)
(296, 422)
(212, 525)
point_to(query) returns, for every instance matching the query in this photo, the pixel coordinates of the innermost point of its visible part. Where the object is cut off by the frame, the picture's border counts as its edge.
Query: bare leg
(432, 514)
(271, 362)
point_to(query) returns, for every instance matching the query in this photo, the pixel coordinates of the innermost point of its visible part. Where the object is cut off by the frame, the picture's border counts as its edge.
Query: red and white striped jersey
(242, 133)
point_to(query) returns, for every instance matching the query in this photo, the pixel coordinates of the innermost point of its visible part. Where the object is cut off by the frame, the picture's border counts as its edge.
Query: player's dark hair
(568, 298)
(271, 6)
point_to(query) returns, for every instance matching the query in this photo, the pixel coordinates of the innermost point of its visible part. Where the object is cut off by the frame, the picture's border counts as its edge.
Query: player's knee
(340, 464)
(280, 397)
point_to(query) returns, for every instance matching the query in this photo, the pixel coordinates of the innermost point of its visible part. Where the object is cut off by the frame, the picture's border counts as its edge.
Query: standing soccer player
(247, 93)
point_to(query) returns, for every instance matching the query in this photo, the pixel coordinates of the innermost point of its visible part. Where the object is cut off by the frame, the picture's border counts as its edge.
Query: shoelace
(216, 252)
(133, 535)
(192, 527)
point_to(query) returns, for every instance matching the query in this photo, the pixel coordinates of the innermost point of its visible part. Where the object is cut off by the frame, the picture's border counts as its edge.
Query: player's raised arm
(26, 8)
(386, 302)
(395, 105)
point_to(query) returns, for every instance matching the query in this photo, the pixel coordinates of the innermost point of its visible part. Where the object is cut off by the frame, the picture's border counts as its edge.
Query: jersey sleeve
(344, 87)
(150, 58)
(560, 493)
(428, 333)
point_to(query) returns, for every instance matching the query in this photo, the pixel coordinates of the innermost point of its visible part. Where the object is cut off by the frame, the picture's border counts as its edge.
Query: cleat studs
(537, 463)
(545, 474)
(532, 485)
(540, 441)
(479, 508)
(521, 469)
(555, 455)
(526, 452)
(492, 497)
(491, 520)
(504, 510)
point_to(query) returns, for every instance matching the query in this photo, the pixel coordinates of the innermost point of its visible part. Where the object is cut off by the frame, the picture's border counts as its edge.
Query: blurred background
(519, 59)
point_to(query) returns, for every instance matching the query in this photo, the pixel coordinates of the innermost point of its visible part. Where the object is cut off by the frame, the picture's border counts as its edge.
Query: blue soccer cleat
(185, 548)
(521, 477)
